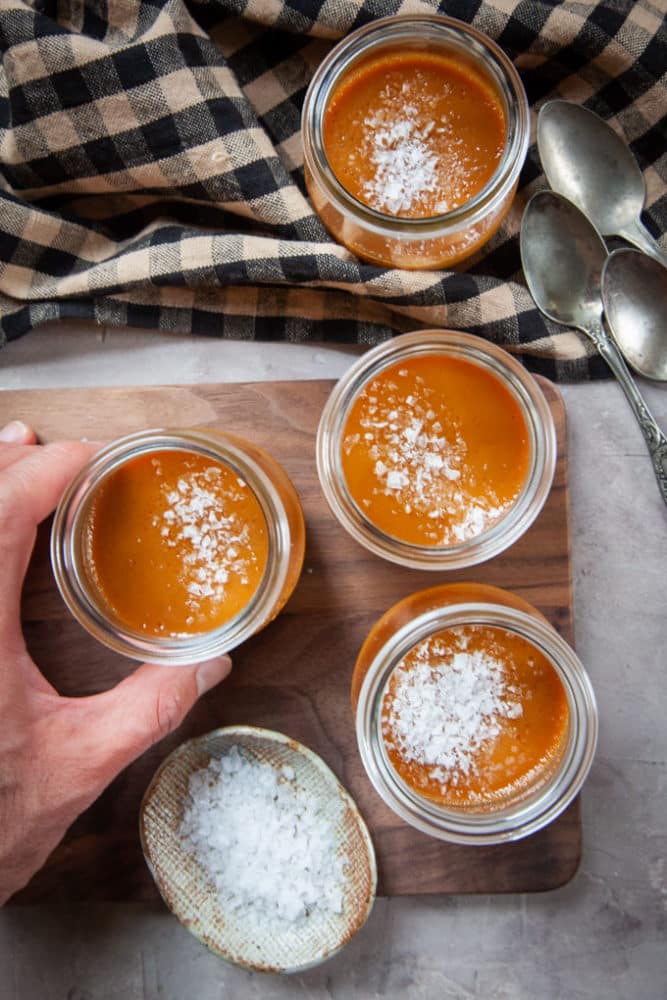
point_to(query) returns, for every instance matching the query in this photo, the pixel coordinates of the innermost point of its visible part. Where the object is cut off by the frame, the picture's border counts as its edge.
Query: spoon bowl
(563, 258)
(634, 293)
(585, 160)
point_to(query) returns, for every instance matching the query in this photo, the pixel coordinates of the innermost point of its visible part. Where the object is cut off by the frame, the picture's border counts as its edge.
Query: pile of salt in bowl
(265, 843)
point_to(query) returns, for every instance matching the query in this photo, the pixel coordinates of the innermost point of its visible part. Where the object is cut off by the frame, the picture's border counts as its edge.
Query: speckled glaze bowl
(183, 883)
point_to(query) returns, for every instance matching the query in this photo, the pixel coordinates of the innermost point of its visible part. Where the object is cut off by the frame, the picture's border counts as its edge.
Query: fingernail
(16, 432)
(212, 672)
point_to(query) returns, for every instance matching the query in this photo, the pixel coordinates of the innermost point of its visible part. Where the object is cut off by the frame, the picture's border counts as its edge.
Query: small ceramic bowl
(184, 885)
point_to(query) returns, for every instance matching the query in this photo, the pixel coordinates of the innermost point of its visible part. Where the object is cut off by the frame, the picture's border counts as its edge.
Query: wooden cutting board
(295, 675)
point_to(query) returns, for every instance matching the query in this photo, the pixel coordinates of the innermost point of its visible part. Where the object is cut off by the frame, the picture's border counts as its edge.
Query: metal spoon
(563, 255)
(585, 160)
(634, 295)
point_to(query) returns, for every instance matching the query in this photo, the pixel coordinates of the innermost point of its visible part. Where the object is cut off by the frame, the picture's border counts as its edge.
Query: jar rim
(497, 66)
(539, 424)
(485, 826)
(92, 612)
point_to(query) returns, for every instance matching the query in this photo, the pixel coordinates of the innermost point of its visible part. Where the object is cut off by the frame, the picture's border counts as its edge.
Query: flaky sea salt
(267, 845)
(214, 542)
(419, 464)
(404, 167)
(448, 703)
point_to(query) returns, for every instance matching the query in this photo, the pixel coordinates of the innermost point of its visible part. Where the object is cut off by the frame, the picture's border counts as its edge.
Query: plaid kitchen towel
(151, 167)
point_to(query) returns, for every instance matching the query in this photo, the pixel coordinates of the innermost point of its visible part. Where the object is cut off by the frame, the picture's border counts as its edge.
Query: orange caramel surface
(177, 543)
(413, 134)
(434, 450)
(474, 716)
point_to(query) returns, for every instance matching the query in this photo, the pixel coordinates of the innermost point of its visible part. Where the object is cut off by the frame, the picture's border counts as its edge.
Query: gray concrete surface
(601, 936)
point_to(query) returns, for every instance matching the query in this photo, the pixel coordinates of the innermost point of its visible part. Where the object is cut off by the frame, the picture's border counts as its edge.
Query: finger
(143, 709)
(29, 490)
(16, 432)
(16, 440)
(10, 454)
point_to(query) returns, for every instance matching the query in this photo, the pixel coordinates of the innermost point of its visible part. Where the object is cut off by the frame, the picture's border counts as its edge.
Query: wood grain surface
(295, 675)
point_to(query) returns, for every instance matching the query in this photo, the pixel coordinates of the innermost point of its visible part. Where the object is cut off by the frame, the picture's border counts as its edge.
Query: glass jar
(422, 243)
(539, 424)
(427, 613)
(285, 539)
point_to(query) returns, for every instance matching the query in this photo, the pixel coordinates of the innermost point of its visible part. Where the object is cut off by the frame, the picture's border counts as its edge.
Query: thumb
(146, 707)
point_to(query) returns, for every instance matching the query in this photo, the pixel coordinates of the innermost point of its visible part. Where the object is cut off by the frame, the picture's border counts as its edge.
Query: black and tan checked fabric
(151, 167)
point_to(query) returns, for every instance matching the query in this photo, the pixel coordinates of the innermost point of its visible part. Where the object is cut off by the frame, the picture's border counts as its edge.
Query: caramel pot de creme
(475, 720)
(415, 130)
(176, 545)
(436, 450)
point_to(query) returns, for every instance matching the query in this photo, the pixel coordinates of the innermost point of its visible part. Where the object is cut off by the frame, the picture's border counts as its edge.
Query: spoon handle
(655, 439)
(637, 234)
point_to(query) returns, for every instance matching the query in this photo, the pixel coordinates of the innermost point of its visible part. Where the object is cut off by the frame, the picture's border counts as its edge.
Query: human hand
(58, 754)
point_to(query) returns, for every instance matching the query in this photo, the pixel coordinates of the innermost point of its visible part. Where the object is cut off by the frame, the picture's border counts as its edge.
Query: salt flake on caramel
(414, 134)
(435, 450)
(474, 716)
